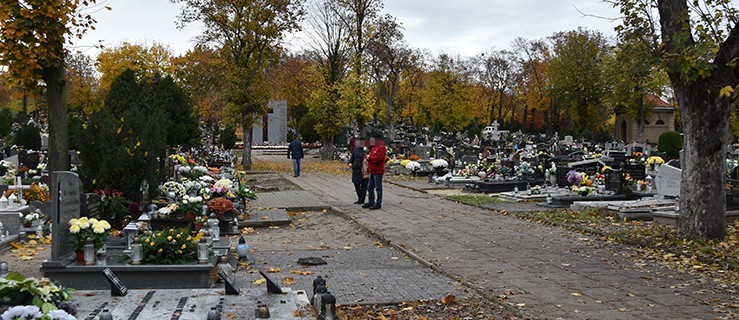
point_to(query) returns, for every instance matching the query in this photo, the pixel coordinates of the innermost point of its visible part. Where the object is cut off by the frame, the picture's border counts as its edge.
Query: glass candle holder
(203, 251)
(89, 250)
(136, 253)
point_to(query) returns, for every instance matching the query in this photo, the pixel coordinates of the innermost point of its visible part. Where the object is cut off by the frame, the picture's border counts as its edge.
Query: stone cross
(19, 187)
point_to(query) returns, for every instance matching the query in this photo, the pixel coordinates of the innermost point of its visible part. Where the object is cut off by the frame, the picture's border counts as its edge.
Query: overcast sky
(464, 27)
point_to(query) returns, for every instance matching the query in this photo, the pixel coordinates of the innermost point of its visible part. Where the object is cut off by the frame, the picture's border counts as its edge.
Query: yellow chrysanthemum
(179, 236)
(183, 247)
(179, 251)
(152, 243)
(160, 250)
(169, 238)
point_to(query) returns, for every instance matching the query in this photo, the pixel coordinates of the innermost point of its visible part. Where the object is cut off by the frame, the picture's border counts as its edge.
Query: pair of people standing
(367, 172)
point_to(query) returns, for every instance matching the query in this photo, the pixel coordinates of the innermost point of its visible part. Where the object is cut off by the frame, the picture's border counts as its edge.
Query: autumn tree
(410, 93)
(357, 16)
(495, 72)
(32, 48)
(634, 74)
(698, 45)
(85, 95)
(577, 72)
(448, 95)
(534, 83)
(144, 60)
(293, 79)
(387, 57)
(201, 74)
(249, 33)
(330, 55)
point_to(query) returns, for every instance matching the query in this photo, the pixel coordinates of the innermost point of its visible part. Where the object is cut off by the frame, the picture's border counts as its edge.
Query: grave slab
(267, 218)
(191, 304)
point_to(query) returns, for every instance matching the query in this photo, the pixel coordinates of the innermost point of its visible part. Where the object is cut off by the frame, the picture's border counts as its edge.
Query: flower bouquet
(574, 178)
(84, 228)
(413, 166)
(439, 164)
(27, 219)
(173, 186)
(191, 206)
(220, 206)
(246, 193)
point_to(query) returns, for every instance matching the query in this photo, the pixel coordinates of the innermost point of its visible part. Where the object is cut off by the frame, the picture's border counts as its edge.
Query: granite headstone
(668, 179)
(66, 190)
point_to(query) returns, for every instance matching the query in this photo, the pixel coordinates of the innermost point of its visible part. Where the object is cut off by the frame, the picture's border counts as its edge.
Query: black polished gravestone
(614, 180)
(496, 186)
(92, 206)
(636, 171)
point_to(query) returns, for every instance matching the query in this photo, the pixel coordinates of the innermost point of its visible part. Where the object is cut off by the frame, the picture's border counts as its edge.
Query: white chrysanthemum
(413, 165)
(73, 222)
(75, 228)
(98, 228)
(93, 221)
(105, 224)
(184, 201)
(84, 224)
(439, 163)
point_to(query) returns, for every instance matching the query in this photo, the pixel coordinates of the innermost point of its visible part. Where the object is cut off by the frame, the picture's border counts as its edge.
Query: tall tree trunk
(246, 158)
(703, 186)
(390, 120)
(705, 114)
(327, 152)
(24, 112)
(58, 131)
(525, 117)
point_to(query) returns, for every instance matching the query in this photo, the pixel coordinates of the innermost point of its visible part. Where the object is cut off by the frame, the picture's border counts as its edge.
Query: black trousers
(361, 189)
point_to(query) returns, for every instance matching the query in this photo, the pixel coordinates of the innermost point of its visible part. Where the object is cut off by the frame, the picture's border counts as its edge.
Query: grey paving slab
(365, 276)
(291, 200)
(546, 263)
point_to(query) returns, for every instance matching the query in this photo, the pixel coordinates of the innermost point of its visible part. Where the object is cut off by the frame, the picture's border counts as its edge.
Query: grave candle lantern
(203, 251)
(328, 307)
(136, 252)
(89, 250)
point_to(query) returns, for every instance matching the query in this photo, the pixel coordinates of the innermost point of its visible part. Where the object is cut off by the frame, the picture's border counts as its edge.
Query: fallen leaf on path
(288, 281)
(302, 272)
(448, 299)
(576, 294)
(259, 281)
(274, 270)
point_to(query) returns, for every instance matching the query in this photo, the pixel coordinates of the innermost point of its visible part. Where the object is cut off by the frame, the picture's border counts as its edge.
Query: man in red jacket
(376, 168)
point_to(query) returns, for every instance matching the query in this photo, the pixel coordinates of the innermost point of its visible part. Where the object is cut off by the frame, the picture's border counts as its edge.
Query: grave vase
(79, 255)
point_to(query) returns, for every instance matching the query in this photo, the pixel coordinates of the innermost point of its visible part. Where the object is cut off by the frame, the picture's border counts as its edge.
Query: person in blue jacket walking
(295, 149)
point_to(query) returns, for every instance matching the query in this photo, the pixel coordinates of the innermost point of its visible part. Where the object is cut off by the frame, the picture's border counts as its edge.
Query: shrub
(6, 122)
(227, 139)
(670, 142)
(29, 137)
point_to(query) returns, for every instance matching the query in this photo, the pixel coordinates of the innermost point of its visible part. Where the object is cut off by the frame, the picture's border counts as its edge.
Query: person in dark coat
(296, 150)
(357, 162)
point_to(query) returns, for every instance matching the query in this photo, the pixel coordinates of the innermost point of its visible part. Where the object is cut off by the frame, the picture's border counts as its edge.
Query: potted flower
(84, 228)
(655, 162)
(171, 246)
(172, 188)
(190, 206)
(31, 219)
(220, 206)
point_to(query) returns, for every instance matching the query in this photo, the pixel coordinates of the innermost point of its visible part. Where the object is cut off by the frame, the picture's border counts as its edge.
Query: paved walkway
(549, 272)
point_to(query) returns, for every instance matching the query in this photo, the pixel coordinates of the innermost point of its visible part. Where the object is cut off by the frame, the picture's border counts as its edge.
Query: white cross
(20, 187)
